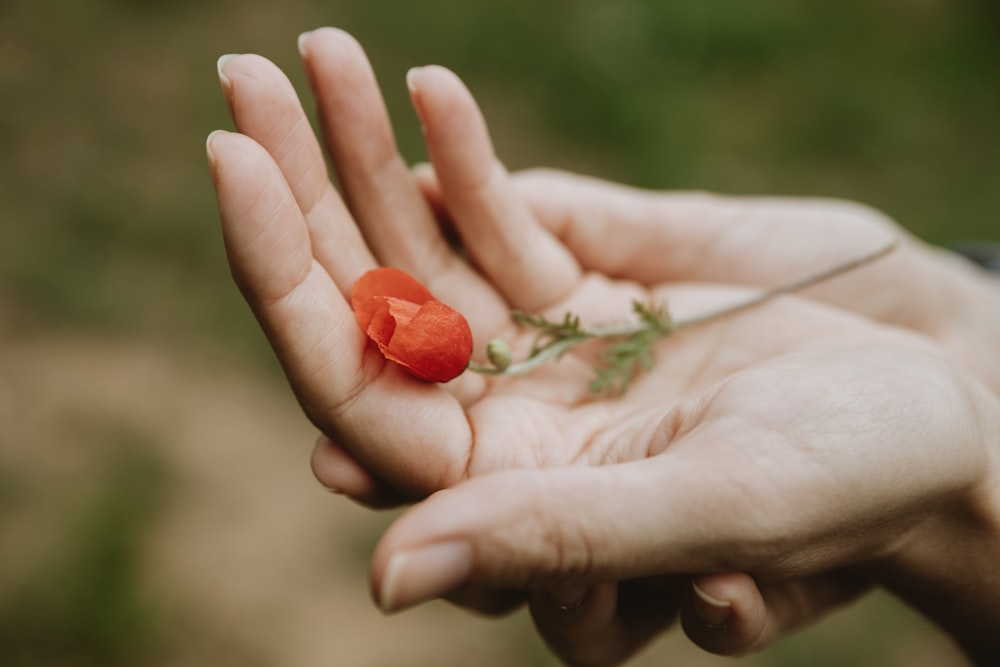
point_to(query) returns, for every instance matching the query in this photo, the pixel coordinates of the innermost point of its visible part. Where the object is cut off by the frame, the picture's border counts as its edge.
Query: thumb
(535, 528)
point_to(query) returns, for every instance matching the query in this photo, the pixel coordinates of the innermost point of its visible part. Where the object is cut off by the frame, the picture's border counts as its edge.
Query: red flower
(411, 327)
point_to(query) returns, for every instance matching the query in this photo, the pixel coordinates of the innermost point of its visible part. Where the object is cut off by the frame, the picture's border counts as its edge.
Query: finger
(619, 230)
(528, 265)
(265, 107)
(668, 236)
(729, 614)
(413, 434)
(335, 468)
(383, 196)
(603, 624)
(266, 239)
(530, 528)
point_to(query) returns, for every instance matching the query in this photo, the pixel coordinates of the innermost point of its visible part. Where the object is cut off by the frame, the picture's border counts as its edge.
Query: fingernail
(567, 598)
(410, 75)
(411, 85)
(424, 169)
(303, 38)
(208, 145)
(709, 609)
(423, 574)
(220, 65)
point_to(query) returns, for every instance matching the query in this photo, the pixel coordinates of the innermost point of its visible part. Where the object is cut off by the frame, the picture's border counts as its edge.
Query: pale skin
(783, 460)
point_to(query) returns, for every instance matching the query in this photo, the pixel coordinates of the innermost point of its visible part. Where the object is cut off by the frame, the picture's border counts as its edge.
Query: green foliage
(622, 360)
(108, 213)
(630, 348)
(551, 332)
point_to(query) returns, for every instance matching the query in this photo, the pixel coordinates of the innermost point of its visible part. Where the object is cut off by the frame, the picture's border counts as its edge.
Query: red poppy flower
(411, 327)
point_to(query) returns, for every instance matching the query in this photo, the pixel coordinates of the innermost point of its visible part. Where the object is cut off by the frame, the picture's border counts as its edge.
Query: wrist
(947, 566)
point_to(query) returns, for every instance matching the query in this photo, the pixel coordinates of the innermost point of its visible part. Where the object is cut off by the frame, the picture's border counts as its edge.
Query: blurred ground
(156, 506)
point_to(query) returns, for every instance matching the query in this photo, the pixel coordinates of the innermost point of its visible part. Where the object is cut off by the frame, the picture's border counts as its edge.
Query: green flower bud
(498, 353)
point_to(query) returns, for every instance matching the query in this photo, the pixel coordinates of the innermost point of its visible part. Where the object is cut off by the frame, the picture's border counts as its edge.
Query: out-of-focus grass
(107, 220)
(885, 101)
(108, 217)
(108, 214)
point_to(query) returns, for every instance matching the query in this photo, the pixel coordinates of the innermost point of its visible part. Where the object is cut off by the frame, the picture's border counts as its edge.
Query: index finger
(412, 433)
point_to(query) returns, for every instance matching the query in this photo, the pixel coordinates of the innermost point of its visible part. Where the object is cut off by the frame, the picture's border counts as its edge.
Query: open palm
(296, 248)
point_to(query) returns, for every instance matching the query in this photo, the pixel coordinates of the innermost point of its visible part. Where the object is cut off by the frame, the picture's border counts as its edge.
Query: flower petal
(435, 345)
(428, 338)
(380, 282)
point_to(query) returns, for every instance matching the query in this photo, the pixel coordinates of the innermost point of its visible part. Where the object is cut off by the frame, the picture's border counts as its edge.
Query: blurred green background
(155, 502)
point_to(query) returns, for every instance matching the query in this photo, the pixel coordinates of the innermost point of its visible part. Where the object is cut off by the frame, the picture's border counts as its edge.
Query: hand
(767, 241)
(295, 249)
(816, 474)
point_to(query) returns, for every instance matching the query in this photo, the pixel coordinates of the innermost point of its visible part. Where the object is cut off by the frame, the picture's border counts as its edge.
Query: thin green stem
(568, 334)
(789, 288)
(551, 351)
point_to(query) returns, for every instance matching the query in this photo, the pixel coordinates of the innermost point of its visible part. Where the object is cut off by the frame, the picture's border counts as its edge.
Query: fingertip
(233, 148)
(411, 79)
(725, 614)
(210, 147)
(339, 472)
(424, 173)
(330, 464)
(302, 44)
(434, 81)
(413, 87)
(331, 37)
(438, 90)
(710, 609)
(247, 80)
(417, 76)
(220, 68)
(231, 154)
(418, 575)
(326, 35)
(329, 52)
(437, 74)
